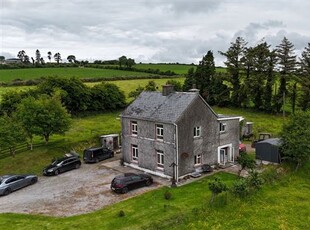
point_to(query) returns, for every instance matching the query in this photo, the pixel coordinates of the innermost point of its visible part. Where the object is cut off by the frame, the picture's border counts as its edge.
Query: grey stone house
(159, 129)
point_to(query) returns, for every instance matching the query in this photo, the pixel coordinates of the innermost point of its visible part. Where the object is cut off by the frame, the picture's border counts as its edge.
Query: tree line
(47, 110)
(259, 77)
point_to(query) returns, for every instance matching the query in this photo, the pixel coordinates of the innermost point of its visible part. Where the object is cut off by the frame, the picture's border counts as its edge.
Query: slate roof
(154, 106)
(272, 141)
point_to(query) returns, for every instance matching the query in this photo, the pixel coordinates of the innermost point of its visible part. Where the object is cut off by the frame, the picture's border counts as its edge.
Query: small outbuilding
(269, 150)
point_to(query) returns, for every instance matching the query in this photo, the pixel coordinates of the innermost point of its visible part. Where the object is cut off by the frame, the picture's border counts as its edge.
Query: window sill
(160, 168)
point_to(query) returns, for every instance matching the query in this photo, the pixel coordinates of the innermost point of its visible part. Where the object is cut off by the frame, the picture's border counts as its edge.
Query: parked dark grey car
(68, 162)
(10, 183)
(97, 154)
(128, 181)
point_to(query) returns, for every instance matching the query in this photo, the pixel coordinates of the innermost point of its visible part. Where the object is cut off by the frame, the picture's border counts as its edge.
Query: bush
(167, 195)
(240, 188)
(121, 213)
(255, 181)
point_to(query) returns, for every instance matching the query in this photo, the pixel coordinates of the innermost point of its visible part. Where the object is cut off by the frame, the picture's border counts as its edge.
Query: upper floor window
(160, 132)
(222, 127)
(160, 159)
(197, 131)
(134, 127)
(197, 159)
(134, 152)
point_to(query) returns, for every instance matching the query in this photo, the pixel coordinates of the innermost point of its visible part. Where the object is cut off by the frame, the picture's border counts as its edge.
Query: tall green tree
(122, 61)
(107, 97)
(38, 57)
(71, 58)
(130, 63)
(268, 95)
(295, 138)
(49, 117)
(49, 55)
(304, 78)
(234, 56)
(204, 73)
(11, 134)
(57, 57)
(21, 55)
(260, 61)
(26, 113)
(287, 66)
(75, 95)
(189, 81)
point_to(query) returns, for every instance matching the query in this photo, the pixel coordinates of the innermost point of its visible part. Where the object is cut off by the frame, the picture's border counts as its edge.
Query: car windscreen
(56, 162)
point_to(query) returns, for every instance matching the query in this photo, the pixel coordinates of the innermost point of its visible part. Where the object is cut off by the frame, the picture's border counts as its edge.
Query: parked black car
(66, 163)
(10, 183)
(97, 154)
(129, 181)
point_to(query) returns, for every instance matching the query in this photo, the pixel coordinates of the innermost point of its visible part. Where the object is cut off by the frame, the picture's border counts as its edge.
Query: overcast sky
(148, 30)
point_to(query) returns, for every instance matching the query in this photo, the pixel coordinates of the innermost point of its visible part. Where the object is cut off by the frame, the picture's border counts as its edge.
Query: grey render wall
(231, 135)
(197, 114)
(148, 145)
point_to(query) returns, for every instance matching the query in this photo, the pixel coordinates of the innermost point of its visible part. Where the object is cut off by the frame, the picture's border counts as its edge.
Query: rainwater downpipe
(177, 153)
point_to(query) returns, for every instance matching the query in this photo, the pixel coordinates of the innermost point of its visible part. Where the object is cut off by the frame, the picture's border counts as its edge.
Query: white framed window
(159, 132)
(197, 131)
(134, 128)
(222, 127)
(160, 159)
(197, 159)
(134, 152)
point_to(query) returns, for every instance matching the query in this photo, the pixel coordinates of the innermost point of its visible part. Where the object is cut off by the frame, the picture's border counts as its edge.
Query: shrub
(167, 195)
(240, 188)
(255, 180)
(121, 213)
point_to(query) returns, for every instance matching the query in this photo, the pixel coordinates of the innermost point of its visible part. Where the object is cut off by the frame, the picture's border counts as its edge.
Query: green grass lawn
(84, 133)
(7, 75)
(282, 205)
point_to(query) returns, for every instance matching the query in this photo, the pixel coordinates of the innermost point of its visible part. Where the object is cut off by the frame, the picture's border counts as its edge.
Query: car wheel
(7, 191)
(56, 172)
(77, 166)
(124, 190)
(148, 182)
(33, 180)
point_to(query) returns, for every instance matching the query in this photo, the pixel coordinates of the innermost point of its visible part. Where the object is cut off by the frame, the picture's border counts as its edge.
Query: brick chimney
(167, 89)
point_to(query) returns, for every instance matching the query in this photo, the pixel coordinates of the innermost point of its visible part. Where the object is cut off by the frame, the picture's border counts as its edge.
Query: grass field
(178, 69)
(125, 85)
(7, 75)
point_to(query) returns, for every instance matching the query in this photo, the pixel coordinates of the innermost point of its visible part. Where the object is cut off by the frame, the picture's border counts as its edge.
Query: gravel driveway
(74, 192)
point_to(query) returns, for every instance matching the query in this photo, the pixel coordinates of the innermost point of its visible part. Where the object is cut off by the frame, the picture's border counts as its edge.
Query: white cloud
(151, 31)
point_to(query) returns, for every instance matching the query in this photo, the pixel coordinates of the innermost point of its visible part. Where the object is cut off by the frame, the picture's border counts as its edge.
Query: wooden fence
(18, 149)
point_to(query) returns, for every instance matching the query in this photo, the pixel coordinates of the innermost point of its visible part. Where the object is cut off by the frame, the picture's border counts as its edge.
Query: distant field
(125, 85)
(178, 69)
(7, 75)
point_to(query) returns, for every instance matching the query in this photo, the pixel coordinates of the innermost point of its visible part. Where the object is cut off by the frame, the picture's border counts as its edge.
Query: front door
(225, 154)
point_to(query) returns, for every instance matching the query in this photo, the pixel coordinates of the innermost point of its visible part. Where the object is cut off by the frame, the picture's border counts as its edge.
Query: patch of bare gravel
(75, 192)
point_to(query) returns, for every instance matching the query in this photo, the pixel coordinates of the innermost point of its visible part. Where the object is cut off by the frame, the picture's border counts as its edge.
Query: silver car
(10, 183)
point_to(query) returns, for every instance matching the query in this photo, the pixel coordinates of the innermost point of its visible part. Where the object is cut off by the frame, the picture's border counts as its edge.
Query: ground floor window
(134, 152)
(160, 159)
(197, 159)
